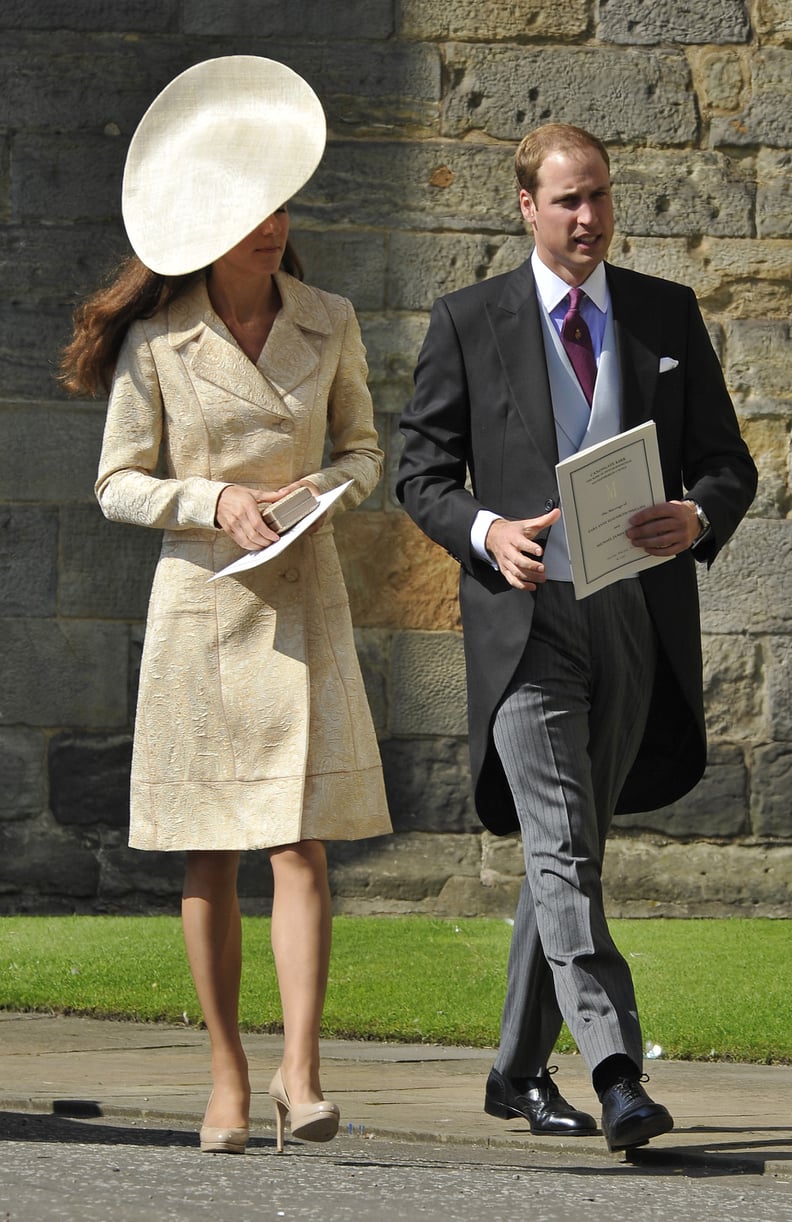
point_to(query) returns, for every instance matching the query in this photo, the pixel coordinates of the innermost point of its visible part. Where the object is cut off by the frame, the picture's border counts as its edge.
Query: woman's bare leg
(301, 935)
(213, 938)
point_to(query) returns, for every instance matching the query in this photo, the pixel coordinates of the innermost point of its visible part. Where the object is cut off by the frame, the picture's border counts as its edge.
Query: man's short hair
(552, 138)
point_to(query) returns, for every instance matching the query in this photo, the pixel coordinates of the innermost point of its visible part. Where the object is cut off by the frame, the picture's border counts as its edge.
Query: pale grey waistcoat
(576, 425)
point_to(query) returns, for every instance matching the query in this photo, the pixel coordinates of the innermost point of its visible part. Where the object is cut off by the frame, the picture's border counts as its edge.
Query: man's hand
(512, 547)
(665, 529)
(239, 515)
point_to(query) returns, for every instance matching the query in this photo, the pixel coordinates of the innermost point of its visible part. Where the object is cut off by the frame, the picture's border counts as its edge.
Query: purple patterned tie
(576, 338)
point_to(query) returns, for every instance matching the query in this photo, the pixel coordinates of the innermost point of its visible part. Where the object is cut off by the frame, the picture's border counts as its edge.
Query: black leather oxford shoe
(538, 1101)
(630, 1117)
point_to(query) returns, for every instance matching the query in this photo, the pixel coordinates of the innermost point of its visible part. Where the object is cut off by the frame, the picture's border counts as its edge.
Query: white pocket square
(667, 363)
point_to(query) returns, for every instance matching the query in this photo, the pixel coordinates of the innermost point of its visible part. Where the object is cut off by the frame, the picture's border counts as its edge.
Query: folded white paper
(601, 488)
(251, 559)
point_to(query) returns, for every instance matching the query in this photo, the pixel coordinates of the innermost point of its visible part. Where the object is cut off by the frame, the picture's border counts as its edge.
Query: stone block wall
(415, 196)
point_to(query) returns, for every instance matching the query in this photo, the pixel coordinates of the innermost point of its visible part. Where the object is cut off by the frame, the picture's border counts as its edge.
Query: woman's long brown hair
(101, 322)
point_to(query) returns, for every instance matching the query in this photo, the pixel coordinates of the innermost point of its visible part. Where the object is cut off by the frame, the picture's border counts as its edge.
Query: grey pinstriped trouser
(567, 732)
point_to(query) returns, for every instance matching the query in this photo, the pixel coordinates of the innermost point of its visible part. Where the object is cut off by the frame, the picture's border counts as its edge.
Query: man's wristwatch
(704, 522)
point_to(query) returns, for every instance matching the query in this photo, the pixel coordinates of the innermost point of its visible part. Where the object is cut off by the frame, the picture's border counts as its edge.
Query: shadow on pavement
(64, 1130)
(704, 1161)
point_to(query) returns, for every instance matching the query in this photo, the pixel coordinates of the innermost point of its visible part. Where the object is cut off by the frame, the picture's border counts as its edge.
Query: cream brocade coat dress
(253, 727)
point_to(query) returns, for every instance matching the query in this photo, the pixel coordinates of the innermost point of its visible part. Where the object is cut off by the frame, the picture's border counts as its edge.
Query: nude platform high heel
(215, 1140)
(308, 1121)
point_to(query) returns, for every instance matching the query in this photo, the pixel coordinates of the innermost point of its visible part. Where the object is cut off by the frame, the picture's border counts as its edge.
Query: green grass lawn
(706, 989)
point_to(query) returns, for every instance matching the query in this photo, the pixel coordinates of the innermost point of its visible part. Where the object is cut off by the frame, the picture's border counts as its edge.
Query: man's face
(571, 213)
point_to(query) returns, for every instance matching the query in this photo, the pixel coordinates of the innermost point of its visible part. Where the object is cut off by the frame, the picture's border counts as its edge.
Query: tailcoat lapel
(517, 332)
(638, 346)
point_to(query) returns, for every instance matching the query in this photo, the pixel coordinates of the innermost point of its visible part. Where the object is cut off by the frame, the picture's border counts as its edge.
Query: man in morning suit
(578, 709)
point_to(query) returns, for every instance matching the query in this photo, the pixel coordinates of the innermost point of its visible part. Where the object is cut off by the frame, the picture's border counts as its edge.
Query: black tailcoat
(479, 434)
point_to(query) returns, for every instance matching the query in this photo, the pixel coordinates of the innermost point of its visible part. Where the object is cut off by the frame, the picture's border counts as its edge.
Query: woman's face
(261, 251)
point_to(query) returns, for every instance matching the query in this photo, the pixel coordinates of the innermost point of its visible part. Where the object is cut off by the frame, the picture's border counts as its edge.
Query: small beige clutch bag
(289, 510)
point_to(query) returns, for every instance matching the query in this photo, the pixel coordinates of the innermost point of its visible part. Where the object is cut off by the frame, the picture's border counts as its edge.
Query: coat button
(549, 504)
(292, 575)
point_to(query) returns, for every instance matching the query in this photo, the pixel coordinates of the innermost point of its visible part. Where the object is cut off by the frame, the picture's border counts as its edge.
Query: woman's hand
(267, 498)
(239, 516)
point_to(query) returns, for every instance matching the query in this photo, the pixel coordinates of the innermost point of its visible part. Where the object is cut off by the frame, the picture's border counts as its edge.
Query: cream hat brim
(222, 147)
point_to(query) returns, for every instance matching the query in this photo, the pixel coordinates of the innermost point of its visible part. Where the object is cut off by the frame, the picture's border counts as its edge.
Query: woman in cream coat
(253, 729)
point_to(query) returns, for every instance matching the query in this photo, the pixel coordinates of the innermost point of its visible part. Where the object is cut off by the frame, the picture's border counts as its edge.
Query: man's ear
(527, 207)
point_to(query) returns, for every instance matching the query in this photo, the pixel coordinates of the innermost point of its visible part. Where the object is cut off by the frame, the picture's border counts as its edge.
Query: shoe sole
(504, 1112)
(322, 1129)
(644, 1132)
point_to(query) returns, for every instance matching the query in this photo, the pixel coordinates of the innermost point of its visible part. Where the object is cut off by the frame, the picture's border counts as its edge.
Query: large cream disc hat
(222, 147)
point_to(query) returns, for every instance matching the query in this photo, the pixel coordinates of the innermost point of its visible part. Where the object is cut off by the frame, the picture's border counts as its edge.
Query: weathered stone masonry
(425, 102)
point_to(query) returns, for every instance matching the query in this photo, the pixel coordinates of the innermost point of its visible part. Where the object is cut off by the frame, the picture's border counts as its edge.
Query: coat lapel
(638, 346)
(288, 359)
(517, 332)
(292, 352)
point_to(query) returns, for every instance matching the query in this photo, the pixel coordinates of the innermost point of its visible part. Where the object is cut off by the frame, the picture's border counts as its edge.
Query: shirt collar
(552, 289)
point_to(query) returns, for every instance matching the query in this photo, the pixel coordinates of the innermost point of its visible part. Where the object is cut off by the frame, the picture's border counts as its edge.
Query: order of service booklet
(601, 487)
